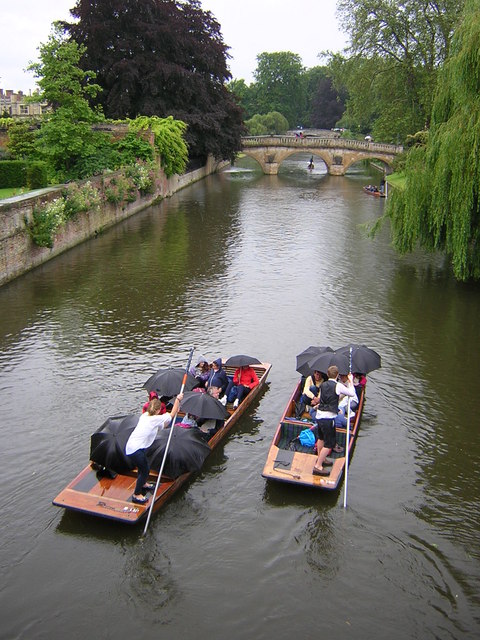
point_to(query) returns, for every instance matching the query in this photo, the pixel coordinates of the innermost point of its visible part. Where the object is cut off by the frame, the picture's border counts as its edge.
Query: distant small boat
(374, 192)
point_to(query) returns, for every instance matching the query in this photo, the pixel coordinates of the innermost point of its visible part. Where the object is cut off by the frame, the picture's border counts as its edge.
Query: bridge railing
(315, 143)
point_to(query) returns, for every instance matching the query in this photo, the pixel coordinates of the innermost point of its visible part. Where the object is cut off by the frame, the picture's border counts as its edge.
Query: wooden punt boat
(289, 461)
(111, 498)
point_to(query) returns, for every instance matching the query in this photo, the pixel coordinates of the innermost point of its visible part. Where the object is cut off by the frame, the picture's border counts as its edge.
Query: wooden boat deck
(296, 466)
(90, 492)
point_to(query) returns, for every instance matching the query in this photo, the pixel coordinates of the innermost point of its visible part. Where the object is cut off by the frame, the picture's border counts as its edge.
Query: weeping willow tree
(439, 207)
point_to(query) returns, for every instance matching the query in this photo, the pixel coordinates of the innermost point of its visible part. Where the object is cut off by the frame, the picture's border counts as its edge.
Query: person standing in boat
(327, 411)
(244, 380)
(142, 437)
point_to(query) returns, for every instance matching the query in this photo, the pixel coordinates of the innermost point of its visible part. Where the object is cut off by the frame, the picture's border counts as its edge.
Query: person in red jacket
(244, 380)
(152, 396)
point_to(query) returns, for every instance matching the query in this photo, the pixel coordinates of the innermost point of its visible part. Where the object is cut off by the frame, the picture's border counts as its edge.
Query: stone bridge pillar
(270, 164)
(337, 167)
(334, 159)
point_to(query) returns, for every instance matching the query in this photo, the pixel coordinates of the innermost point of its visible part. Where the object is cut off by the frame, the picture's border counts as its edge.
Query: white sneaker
(235, 403)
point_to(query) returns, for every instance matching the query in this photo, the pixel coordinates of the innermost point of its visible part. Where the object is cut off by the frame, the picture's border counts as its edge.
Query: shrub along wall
(21, 173)
(13, 173)
(18, 252)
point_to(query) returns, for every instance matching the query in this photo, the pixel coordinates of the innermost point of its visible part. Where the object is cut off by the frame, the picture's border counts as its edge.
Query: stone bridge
(337, 153)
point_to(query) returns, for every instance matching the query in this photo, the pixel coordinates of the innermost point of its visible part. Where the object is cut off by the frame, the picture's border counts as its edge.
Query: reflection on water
(267, 265)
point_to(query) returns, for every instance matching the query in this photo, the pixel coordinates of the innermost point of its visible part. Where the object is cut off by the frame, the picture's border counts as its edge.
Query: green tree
(161, 58)
(396, 50)
(376, 102)
(169, 141)
(21, 138)
(440, 206)
(279, 84)
(269, 123)
(245, 95)
(66, 139)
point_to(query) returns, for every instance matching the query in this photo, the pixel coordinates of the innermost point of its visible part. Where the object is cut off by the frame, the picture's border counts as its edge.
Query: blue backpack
(307, 438)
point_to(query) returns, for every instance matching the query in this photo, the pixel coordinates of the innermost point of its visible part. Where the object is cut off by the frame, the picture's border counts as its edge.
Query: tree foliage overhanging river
(265, 265)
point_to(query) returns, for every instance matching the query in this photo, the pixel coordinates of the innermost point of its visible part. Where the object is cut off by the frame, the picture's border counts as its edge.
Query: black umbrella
(203, 405)
(107, 444)
(241, 361)
(167, 382)
(187, 451)
(322, 361)
(306, 355)
(364, 359)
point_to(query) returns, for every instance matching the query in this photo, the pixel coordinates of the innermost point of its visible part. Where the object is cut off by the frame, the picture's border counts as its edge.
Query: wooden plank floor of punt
(296, 467)
(94, 494)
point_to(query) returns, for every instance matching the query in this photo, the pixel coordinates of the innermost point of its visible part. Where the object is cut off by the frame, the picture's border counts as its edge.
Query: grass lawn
(12, 191)
(397, 180)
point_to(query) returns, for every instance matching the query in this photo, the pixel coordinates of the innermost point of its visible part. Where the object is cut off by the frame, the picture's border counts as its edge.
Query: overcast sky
(249, 27)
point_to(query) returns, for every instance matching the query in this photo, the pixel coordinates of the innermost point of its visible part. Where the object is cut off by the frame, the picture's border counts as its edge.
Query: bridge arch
(351, 161)
(287, 153)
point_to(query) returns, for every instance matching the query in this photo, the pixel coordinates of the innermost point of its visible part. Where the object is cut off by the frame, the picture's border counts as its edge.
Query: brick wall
(18, 254)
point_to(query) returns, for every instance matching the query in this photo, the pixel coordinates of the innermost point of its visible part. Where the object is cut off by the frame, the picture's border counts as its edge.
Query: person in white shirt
(142, 437)
(327, 410)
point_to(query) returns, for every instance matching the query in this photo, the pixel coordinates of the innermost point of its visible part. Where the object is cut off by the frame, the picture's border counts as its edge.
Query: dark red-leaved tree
(161, 57)
(327, 106)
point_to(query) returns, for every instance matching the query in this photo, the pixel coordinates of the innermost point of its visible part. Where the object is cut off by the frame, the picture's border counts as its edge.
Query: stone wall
(18, 253)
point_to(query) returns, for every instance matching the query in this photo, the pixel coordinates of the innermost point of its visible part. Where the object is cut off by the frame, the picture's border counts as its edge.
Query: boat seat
(288, 432)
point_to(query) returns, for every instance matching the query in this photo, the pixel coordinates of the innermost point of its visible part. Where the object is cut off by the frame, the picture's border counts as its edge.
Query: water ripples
(267, 266)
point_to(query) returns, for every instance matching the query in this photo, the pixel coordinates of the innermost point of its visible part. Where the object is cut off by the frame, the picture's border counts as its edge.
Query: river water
(263, 265)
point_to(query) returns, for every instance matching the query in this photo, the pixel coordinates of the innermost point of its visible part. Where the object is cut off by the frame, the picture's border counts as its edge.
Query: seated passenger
(153, 395)
(217, 377)
(309, 397)
(188, 421)
(359, 382)
(216, 392)
(210, 426)
(341, 419)
(244, 380)
(201, 371)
